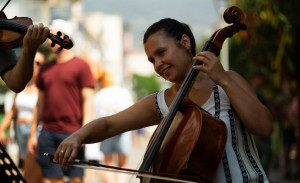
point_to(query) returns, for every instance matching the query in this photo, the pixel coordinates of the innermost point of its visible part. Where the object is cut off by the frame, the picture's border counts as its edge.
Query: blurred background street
(108, 35)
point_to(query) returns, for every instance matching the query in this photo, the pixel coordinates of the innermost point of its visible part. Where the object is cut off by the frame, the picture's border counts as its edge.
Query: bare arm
(254, 115)
(6, 122)
(87, 96)
(37, 116)
(17, 78)
(139, 115)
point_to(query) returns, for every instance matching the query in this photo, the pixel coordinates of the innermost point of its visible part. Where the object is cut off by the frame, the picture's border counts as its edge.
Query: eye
(160, 52)
(151, 60)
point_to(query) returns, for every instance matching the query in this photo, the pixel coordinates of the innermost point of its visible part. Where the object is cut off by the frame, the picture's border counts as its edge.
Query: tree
(270, 43)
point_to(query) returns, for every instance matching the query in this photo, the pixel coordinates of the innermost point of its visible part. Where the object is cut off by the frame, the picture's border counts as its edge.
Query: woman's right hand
(67, 150)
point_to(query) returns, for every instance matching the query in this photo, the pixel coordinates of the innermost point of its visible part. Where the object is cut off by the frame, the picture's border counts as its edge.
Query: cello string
(132, 173)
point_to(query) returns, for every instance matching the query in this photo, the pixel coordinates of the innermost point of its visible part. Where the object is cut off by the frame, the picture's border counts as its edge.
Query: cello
(189, 143)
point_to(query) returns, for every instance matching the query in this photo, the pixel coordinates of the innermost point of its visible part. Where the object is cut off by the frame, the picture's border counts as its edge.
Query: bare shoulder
(233, 74)
(147, 105)
(240, 80)
(236, 77)
(141, 114)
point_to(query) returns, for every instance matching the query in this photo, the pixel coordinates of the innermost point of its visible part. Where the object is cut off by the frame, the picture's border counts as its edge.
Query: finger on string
(201, 58)
(199, 67)
(29, 30)
(209, 55)
(40, 30)
(34, 30)
(46, 32)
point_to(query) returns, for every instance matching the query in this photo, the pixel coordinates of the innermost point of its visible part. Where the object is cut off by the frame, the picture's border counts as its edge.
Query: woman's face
(170, 60)
(39, 59)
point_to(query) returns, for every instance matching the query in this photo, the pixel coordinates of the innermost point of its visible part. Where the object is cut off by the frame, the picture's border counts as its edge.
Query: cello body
(194, 145)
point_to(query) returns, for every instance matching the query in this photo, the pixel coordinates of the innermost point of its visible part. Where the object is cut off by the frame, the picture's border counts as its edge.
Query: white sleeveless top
(240, 161)
(25, 103)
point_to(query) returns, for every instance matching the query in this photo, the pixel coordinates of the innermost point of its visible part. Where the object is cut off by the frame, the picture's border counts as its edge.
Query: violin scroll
(64, 42)
(13, 31)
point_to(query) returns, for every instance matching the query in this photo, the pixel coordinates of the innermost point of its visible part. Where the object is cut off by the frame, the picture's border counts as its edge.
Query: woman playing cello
(170, 47)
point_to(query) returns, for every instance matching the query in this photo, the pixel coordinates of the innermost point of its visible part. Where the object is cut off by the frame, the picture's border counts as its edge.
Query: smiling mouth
(165, 71)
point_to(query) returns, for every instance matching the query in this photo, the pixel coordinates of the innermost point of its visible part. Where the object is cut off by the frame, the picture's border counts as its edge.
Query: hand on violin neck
(35, 36)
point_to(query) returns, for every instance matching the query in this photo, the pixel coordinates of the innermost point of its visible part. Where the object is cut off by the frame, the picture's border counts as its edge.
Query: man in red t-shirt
(66, 88)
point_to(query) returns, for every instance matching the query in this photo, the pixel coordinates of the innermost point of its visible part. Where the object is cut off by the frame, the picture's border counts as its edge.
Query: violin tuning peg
(52, 44)
(59, 33)
(60, 48)
(66, 37)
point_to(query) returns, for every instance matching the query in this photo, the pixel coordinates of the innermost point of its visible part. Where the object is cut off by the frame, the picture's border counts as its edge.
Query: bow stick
(96, 166)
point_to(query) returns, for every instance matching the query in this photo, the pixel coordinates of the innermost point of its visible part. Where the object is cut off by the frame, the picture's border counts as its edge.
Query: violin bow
(97, 166)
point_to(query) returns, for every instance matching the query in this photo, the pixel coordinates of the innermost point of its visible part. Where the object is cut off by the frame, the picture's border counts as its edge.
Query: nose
(158, 62)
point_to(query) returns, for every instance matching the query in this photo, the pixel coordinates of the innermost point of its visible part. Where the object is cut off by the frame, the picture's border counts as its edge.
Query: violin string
(15, 25)
(133, 173)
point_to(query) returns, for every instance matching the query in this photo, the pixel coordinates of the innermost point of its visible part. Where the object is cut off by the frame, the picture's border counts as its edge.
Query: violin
(12, 32)
(190, 142)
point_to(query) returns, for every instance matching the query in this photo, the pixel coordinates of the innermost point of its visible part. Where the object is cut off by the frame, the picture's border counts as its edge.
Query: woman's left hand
(35, 36)
(211, 66)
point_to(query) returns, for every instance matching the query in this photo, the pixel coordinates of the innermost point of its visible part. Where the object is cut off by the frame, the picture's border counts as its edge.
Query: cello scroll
(232, 15)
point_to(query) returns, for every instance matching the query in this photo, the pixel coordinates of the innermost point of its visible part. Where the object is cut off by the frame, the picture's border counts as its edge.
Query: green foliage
(145, 85)
(3, 87)
(270, 42)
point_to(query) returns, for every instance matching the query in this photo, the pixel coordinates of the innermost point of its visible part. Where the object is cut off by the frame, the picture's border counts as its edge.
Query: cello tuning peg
(59, 33)
(242, 26)
(229, 32)
(52, 44)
